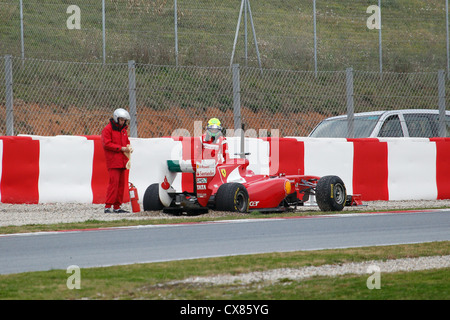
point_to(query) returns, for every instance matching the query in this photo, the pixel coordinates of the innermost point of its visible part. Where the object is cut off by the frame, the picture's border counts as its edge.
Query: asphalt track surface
(143, 244)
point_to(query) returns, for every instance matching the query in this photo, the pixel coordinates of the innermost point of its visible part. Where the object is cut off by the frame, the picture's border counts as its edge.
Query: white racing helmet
(120, 113)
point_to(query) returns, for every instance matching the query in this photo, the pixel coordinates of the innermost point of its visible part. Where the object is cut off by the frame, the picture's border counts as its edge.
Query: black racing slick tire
(232, 197)
(151, 198)
(331, 194)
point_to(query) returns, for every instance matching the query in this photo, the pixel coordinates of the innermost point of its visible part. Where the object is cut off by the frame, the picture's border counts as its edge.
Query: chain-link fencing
(78, 98)
(313, 35)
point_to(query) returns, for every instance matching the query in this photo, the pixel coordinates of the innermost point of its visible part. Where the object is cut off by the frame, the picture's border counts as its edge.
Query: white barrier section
(65, 169)
(149, 162)
(329, 157)
(412, 168)
(258, 149)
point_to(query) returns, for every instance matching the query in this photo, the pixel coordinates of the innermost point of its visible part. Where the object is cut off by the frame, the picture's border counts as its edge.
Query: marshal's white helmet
(120, 113)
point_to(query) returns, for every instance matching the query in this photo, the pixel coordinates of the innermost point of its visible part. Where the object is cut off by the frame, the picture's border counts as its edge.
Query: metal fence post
(441, 90)
(238, 129)
(380, 45)
(350, 109)
(315, 37)
(9, 96)
(104, 31)
(22, 46)
(132, 98)
(236, 97)
(447, 36)
(245, 35)
(254, 34)
(237, 33)
(247, 4)
(175, 13)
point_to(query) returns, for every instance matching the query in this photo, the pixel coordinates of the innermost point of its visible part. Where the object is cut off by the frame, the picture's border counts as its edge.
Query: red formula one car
(232, 187)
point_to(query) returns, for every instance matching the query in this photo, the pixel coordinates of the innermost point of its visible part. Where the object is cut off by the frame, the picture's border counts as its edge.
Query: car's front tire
(331, 194)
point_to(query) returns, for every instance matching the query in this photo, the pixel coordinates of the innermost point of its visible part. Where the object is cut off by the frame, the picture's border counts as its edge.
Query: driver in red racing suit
(214, 144)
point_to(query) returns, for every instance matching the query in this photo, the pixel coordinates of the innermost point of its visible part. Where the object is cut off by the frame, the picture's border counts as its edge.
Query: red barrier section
(370, 169)
(20, 170)
(100, 175)
(442, 167)
(291, 156)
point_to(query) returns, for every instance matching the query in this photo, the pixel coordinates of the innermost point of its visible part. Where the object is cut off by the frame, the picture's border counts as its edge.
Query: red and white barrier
(383, 169)
(38, 169)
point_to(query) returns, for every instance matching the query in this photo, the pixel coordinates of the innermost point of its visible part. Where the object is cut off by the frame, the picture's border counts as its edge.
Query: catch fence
(45, 97)
(313, 35)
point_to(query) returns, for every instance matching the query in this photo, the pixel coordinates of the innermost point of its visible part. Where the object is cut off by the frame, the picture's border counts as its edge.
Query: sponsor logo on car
(206, 172)
(206, 169)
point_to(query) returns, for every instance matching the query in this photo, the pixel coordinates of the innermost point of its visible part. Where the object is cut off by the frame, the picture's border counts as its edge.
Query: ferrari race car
(231, 186)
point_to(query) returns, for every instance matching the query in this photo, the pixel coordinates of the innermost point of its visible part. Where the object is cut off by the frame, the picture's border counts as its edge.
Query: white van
(396, 123)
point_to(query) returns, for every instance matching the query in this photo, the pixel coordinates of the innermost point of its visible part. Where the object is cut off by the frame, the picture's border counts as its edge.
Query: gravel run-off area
(50, 213)
(361, 268)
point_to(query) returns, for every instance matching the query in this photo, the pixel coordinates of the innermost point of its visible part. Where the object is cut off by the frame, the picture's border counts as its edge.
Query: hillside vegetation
(62, 87)
(413, 33)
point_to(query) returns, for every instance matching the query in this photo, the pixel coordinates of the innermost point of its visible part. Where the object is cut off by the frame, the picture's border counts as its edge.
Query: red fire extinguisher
(134, 198)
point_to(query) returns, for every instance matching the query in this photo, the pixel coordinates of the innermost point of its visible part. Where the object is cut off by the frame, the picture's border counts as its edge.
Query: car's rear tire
(331, 194)
(232, 197)
(151, 200)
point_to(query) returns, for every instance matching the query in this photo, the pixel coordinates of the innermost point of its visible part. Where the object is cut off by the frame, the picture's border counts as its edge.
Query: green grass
(413, 33)
(150, 281)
